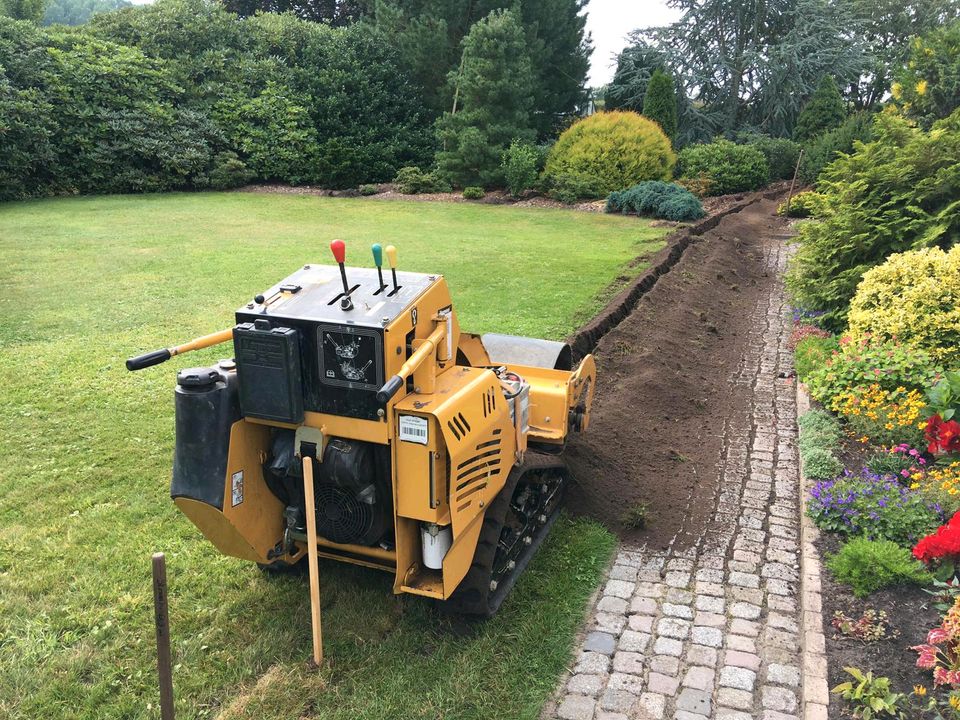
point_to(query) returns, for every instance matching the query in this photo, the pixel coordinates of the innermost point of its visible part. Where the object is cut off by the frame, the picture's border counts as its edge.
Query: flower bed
(880, 454)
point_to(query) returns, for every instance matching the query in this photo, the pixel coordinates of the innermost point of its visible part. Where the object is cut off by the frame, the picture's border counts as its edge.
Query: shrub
(803, 204)
(660, 102)
(472, 192)
(657, 199)
(928, 85)
(819, 463)
(819, 153)
(781, 154)
(568, 188)
(519, 165)
(495, 89)
(80, 114)
(820, 425)
(273, 132)
(413, 181)
(229, 171)
(874, 506)
(914, 297)
(369, 189)
(868, 565)
(888, 365)
(823, 112)
(699, 186)
(730, 168)
(610, 151)
(812, 353)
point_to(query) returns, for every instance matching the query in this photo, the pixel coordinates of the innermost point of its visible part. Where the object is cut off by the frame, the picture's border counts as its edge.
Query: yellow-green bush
(612, 151)
(915, 298)
(803, 204)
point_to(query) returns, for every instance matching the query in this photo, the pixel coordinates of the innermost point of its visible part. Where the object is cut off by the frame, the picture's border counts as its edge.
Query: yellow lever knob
(391, 252)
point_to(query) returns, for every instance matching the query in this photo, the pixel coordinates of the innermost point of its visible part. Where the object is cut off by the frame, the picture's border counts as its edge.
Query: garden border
(816, 692)
(585, 339)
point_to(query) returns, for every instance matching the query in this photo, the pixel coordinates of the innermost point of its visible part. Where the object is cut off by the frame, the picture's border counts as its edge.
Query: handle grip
(389, 389)
(148, 359)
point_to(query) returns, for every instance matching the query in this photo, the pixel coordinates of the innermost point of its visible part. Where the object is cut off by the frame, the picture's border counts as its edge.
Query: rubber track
(473, 595)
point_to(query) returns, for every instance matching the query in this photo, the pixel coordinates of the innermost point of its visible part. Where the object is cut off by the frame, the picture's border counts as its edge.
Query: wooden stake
(796, 170)
(310, 508)
(162, 621)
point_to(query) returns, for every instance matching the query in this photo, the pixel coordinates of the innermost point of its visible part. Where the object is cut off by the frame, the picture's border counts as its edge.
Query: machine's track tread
(473, 596)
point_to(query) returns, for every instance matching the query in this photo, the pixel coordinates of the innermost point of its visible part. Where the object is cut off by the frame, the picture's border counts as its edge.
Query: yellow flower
(896, 90)
(919, 690)
(955, 702)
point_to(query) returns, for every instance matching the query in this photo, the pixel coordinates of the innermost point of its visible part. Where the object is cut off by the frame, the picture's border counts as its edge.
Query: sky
(609, 21)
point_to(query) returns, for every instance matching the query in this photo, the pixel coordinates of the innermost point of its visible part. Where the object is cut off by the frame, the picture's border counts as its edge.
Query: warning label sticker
(236, 483)
(413, 429)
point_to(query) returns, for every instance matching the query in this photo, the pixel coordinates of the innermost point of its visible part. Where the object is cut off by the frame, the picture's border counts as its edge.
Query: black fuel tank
(207, 405)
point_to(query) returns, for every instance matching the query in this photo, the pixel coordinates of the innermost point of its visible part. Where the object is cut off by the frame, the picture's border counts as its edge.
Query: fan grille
(341, 517)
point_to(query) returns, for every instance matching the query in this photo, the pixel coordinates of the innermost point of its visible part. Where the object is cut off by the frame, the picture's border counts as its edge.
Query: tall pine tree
(429, 35)
(635, 66)
(492, 101)
(660, 103)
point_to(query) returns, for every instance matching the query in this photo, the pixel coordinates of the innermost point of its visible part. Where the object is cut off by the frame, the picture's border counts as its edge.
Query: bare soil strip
(666, 348)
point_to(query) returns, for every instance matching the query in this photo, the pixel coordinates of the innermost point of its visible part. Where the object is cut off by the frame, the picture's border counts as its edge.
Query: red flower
(942, 436)
(944, 542)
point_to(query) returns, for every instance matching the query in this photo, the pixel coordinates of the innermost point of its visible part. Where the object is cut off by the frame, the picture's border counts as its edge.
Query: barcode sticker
(413, 429)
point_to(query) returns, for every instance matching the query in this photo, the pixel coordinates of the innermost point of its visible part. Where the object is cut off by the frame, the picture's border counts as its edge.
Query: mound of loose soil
(662, 389)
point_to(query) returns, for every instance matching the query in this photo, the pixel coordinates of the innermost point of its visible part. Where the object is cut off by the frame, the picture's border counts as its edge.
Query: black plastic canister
(207, 405)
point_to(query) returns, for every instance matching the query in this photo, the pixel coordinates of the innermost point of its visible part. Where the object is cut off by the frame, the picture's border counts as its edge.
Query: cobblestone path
(710, 628)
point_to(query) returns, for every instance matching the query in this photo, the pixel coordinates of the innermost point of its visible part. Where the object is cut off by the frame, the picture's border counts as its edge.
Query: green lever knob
(377, 254)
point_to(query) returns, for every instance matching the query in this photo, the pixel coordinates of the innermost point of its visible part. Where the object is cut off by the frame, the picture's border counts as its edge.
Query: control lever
(392, 259)
(339, 250)
(378, 261)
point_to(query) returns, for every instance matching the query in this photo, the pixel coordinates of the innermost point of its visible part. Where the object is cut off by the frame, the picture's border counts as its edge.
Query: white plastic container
(436, 541)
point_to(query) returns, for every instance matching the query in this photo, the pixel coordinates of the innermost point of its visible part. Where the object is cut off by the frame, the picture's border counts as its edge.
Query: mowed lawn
(86, 451)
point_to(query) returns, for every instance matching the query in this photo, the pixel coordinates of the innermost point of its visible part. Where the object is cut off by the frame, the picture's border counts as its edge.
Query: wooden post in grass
(793, 182)
(310, 507)
(162, 621)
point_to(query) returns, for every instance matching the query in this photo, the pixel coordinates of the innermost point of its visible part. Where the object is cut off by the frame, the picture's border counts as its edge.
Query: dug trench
(665, 350)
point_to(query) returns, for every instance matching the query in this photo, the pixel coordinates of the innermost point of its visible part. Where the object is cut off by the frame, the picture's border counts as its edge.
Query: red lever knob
(339, 250)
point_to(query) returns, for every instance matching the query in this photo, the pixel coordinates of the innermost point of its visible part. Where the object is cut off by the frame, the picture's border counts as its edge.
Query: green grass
(85, 461)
